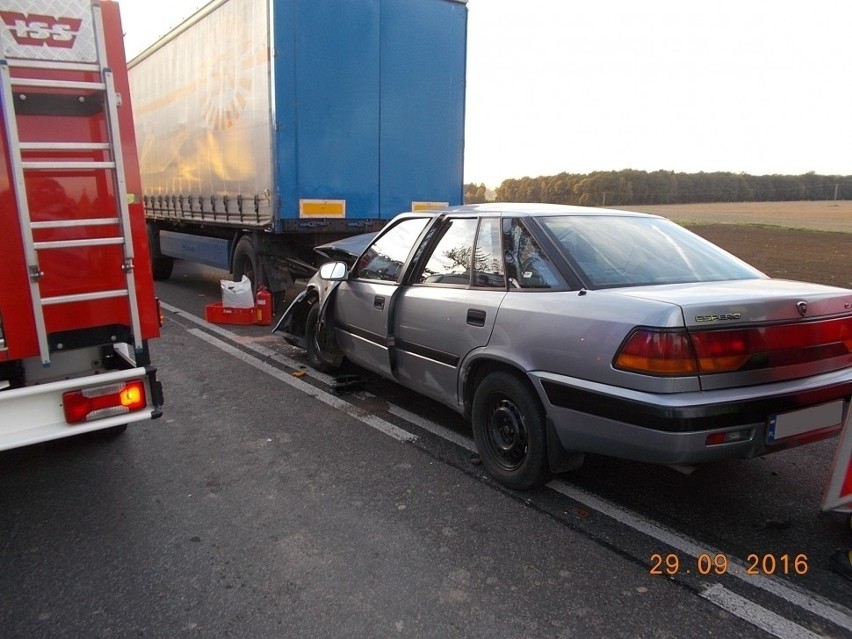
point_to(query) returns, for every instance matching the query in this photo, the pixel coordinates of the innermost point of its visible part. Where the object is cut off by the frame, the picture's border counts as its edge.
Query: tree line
(629, 186)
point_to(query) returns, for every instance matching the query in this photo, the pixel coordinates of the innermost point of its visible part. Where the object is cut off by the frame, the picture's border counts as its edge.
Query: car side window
(527, 266)
(384, 258)
(450, 262)
(488, 268)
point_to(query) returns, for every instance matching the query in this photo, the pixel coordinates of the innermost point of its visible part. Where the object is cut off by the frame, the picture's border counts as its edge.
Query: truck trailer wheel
(245, 263)
(161, 265)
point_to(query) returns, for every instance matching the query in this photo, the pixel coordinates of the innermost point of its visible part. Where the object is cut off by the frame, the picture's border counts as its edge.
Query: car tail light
(721, 351)
(160, 316)
(772, 346)
(104, 401)
(660, 352)
(657, 353)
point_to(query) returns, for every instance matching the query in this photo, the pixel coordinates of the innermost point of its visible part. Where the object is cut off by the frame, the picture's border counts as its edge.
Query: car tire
(313, 341)
(509, 431)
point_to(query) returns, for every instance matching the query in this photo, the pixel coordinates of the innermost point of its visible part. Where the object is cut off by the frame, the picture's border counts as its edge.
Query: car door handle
(379, 302)
(475, 317)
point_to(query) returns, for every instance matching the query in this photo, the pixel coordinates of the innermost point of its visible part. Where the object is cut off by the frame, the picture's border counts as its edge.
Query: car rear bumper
(674, 428)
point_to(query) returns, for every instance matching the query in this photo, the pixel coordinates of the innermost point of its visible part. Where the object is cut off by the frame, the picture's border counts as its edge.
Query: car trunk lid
(760, 331)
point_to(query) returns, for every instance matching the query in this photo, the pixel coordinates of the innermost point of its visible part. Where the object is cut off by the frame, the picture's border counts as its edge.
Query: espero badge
(721, 317)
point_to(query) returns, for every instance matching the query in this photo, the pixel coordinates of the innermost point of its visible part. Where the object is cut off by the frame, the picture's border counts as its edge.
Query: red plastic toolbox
(219, 314)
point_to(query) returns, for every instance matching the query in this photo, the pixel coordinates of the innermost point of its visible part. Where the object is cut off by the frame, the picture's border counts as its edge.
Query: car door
(361, 304)
(448, 307)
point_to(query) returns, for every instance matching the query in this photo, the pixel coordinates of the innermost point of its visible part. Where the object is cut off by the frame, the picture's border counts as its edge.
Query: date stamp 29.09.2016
(756, 564)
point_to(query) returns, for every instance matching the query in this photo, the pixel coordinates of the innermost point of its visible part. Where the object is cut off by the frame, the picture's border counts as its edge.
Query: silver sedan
(561, 330)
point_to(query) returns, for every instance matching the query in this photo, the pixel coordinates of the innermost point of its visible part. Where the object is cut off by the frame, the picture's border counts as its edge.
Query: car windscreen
(611, 251)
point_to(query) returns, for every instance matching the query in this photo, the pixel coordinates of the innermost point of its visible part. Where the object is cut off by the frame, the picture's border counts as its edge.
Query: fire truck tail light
(103, 401)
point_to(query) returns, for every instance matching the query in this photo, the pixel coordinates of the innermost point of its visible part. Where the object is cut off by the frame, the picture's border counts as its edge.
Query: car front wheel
(319, 337)
(509, 431)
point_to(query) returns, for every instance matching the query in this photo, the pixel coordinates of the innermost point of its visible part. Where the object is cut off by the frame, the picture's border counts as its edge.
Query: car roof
(535, 209)
(355, 245)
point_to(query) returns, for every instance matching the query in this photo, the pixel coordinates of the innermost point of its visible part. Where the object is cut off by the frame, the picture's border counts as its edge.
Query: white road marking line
(432, 427)
(800, 597)
(261, 350)
(790, 593)
(335, 402)
(756, 615)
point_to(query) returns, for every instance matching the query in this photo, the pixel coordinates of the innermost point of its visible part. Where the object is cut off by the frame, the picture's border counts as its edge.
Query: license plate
(798, 422)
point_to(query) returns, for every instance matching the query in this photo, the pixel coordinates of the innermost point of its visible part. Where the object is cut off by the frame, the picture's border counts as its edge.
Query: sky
(752, 86)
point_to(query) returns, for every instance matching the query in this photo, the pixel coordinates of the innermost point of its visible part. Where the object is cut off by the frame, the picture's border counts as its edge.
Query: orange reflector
(103, 401)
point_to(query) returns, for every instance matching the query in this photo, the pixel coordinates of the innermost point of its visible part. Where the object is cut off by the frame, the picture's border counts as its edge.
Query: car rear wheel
(509, 431)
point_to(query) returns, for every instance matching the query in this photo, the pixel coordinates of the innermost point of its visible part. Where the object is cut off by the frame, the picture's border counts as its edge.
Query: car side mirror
(335, 271)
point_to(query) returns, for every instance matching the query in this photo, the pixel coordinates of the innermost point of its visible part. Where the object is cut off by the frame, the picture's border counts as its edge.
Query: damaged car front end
(302, 324)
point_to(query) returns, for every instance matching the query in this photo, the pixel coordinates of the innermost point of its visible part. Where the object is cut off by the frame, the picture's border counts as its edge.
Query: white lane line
(756, 615)
(790, 593)
(800, 597)
(430, 426)
(261, 350)
(335, 402)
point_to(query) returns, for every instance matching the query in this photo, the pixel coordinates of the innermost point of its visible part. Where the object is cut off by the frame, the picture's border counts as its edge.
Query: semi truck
(77, 304)
(266, 127)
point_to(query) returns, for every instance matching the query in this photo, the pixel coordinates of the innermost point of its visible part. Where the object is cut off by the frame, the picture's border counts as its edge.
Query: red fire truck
(77, 304)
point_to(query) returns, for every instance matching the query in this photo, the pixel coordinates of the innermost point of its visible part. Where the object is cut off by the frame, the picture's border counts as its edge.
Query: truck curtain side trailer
(77, 304)
(266, 127)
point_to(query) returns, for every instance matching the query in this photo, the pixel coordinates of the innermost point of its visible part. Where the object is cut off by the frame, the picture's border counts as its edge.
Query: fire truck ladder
(113, 164)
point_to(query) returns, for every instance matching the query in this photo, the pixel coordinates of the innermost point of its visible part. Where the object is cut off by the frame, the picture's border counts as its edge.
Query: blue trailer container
(266, 127)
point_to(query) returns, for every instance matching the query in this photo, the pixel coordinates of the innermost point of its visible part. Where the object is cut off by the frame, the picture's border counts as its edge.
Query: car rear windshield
(611, 251)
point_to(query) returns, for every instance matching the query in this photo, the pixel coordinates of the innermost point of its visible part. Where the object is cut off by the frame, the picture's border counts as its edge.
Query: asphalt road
(265, 504)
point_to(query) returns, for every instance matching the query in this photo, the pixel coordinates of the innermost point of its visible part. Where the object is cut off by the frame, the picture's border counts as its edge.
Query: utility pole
(835, 192)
